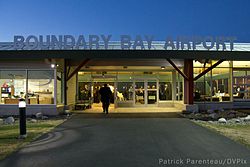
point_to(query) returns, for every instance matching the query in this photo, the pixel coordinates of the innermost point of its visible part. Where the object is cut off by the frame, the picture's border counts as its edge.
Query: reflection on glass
(125, 91)
(152, 85)
(165, 91)
(202, 88)
(84, 91)
(96, 88)
(241, 82)
(179, 87)
(179, 93)
(139, 93)
(40, 87)
(13, 86)
(152, 98)
(214, 86)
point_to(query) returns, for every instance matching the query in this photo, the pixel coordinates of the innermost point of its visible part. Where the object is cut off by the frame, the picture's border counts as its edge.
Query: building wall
(6, 110)
(71, 91)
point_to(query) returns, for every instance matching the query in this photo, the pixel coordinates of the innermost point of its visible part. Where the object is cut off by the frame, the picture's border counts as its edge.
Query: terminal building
(186, 76)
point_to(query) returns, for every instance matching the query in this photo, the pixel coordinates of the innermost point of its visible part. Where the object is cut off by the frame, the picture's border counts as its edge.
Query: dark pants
(105, 106)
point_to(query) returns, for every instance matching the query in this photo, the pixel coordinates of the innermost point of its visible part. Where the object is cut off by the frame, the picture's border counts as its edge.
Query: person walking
(106, 94)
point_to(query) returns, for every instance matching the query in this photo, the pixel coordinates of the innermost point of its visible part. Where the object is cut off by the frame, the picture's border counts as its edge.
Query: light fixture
(53, 65)
(162, 67)
(125, 67)
(103, 73)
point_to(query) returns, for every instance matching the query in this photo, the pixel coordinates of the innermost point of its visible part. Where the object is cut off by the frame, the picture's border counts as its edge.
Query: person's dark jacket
(105, 93)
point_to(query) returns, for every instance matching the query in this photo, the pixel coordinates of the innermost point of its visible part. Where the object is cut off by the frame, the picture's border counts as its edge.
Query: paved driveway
(129, 142)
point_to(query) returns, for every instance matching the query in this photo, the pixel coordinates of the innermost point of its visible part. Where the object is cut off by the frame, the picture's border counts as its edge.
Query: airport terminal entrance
(131, 89)
(89, 91)
(146, 92)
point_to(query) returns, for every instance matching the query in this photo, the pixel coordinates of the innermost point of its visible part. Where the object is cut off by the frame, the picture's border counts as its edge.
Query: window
(125, 91)
(241, 84)
(179, 87)
(202, 86)
(220, 84)
(13, 86)
(165, 86)
(214, 86)
(84, 91)
(40, 87)
(165, 91)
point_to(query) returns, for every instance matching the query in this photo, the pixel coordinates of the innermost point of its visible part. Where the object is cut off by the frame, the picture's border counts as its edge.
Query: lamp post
(22, 119)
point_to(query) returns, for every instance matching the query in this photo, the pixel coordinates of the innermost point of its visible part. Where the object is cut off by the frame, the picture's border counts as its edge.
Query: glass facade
(36, 86)
(134, 88)
(241, 84)
(229, 81)
(125, 91)
(13, 85)
(214, 86)
(179, 87)
(165, 86)
(40, 87)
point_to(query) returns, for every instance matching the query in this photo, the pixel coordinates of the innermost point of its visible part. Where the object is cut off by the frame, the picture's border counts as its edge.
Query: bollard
(22, 119)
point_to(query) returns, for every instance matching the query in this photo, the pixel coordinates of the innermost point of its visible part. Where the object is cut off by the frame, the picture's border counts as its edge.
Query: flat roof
(241, 52)
(116, 45)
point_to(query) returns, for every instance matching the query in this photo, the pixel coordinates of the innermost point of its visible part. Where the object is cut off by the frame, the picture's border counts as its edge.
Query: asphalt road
(129, 142)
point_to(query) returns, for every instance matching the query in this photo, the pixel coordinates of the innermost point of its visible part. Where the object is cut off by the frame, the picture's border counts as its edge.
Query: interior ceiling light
(163, 67)
(53, 65)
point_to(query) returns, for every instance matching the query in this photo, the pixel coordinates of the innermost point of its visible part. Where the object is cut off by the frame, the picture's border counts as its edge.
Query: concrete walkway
(105, 141)
(149, 109)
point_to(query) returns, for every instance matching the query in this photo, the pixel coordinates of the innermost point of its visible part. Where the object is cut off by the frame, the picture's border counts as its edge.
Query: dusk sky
(160, 18)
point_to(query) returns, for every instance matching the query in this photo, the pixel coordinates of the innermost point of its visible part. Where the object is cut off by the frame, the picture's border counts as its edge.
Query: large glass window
(215, 85)
(165, 86)
(241, 84)
(179, 87)
(165, 91)
(40, 87)
(13, 86)
(140, 92)
(84, 91)
(202, 86)
(125, 91)
(220, 84)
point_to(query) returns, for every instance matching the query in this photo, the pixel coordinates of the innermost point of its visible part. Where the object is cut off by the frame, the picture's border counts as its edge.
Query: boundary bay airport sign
(81, 42)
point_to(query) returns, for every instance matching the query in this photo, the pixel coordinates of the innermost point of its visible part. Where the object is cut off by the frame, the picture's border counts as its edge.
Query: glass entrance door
(152, 96)
(139, 93)
(98, 82)
(146, 92)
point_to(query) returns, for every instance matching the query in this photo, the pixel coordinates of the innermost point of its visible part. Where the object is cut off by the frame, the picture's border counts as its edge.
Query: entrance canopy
(241, 51)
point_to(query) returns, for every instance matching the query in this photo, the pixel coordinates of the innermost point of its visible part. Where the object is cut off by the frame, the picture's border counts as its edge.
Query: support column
(188, 83)
(173, 85)
(65, 83)
(230, 81)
